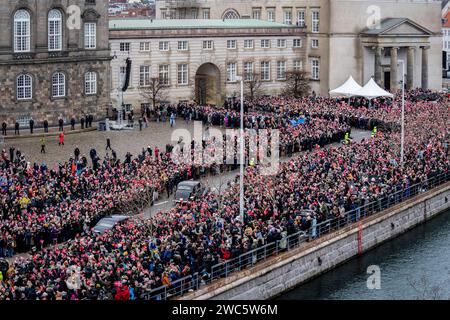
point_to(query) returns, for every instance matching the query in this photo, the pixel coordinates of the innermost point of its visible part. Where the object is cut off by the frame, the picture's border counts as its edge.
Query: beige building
(200, 59)
(362, 38)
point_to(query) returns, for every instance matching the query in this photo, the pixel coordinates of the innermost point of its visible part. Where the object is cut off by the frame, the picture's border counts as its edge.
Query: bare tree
(297, 83)
(136, 203)
(252, 86)
(154, 91)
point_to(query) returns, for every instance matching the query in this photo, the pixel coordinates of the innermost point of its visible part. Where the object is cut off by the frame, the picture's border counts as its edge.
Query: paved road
(158, 134)
(219, 182)
(160, 137)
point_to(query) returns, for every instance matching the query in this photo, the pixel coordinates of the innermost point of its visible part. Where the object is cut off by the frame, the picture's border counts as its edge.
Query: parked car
(189, 190)
(108, 223)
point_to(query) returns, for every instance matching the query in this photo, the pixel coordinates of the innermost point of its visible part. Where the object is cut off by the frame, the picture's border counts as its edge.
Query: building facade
(446, 34)
(362, 38)
(200, 59)
(54, 60)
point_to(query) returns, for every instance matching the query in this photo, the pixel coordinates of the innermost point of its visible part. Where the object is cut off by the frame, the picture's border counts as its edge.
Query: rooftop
(391, 23)
(446, 23)
(133, 24)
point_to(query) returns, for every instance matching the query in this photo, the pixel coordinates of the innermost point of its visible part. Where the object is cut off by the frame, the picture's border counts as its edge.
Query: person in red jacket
(123, 293)
(61, 139)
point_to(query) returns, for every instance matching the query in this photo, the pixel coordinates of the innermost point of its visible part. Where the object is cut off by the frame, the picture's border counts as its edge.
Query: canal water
(415, 265)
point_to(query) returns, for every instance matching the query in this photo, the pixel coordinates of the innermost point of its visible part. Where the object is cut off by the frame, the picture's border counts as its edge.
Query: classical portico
(393, 42)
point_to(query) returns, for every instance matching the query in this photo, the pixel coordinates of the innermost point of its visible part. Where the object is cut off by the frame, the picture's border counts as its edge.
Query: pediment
(406, 28)
(397, 27)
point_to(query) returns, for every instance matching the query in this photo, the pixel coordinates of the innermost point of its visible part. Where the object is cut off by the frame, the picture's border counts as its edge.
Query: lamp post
(241, 175)
(402, 140)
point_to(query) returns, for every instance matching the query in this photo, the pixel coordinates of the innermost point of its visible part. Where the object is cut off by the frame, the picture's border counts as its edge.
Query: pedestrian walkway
(53, 131)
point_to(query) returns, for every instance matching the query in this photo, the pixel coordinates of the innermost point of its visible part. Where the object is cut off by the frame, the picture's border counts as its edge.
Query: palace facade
(54, 60)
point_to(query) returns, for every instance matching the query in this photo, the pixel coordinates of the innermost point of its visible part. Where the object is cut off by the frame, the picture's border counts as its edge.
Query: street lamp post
(241, 175)
(402, 140)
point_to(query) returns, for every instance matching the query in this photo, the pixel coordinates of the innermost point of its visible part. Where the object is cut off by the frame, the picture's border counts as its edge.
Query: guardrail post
(182, 286)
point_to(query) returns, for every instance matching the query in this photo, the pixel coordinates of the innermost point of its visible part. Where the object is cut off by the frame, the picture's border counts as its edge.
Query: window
(90, 35)
(21, 31)
(163, 13)
(281, 70)
(206, 14)
(231, 44)
(125, 47)
(315, 21)
(297, 43)
(194, 13)
(54, 30)
(265, 70)
(58, 85)
(182, 45)
(164, 46)
(231, 72)
(144, 46)
(128, 107)
(207, 45)
(271, 15)
(182, 74)
(164, 74)
(24, 87)
(265, 43)
(315, 68)
(287, 16)
(301, 18)
(314, 43)
(297, 65)
(248, 71)
(256, 14)
(90, 83)
(144, 76)
(281, 43)
(230, 14)
(248, 44)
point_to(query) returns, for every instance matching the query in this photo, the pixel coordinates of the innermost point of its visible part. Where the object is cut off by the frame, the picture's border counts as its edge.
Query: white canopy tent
(372, 90)
(348, 89)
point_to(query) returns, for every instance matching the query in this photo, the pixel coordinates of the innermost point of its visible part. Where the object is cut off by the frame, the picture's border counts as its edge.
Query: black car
(189, 190)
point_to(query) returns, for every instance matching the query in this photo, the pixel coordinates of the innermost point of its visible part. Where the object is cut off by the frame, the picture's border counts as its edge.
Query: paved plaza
(157, 134)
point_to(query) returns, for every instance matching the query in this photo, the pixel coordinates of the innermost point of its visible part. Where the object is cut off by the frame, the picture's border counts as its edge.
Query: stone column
(425, 67)
(394, 68)
(378, 70)
(410, 69)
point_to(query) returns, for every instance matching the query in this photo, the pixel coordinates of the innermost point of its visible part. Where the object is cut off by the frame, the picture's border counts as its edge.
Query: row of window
(300, 15)
(184, 13)
(248, 71)
(183, 45)
(446, 45)
(24, 85)
(22, 31)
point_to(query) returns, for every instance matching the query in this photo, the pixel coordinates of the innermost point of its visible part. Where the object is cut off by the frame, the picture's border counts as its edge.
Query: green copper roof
(123, 24)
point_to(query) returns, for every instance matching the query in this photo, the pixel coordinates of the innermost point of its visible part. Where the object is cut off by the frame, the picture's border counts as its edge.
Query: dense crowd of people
(41, 206)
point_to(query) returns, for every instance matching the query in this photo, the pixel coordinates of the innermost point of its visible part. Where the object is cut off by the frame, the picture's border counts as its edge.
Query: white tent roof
(372, 90)
(347, 89)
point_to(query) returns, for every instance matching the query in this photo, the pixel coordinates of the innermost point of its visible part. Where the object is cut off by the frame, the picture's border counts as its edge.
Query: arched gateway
(207, 84)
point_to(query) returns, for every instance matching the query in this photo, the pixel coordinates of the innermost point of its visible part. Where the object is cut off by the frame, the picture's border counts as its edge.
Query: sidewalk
(38, 132)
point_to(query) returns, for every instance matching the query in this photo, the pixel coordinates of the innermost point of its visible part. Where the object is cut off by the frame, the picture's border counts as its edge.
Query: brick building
(54, 60)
